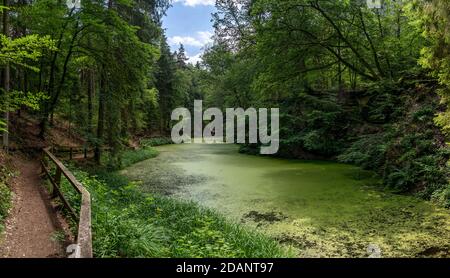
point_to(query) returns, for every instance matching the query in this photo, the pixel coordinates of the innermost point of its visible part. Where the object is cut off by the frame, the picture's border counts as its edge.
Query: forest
(355, 85)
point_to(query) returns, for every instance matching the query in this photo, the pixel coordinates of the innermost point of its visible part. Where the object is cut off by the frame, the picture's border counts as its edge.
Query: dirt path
(31, 228)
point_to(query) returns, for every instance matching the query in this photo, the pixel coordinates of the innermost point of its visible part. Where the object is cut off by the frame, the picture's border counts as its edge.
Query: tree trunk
(341, 96)
(100, 121)
(51, 83)
(90, 95)
(6, 78)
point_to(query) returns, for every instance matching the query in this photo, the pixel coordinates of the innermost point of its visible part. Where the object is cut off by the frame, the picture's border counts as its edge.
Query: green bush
(441, 196)
(5, 194)
(369, 152)
(155, 142)
(128, 158)
(5, 203)
(131, 157)
(311, 125)
(129, 223)
(407, 150)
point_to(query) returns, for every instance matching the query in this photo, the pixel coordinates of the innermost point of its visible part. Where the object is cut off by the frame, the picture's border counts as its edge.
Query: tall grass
(130, 157)
(5, 202)
(5, 192)
(127, 223)
(154, 142)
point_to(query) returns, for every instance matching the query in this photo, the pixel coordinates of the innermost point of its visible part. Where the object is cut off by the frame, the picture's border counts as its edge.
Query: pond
(320, 209)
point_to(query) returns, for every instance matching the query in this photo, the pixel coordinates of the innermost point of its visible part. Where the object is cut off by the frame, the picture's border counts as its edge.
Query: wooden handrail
(75, 150)
(83, 248)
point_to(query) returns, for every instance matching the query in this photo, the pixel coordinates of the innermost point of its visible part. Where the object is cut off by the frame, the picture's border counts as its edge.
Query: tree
(181, 57)
(101, 70)
(434, 19)
(6, 75)
(19, 52)
(165, 78)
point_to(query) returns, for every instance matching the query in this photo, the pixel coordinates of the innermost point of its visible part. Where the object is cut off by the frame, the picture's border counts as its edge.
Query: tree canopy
(363, 85)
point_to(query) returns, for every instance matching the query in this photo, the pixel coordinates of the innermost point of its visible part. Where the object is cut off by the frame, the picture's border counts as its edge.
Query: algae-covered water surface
(321, 209)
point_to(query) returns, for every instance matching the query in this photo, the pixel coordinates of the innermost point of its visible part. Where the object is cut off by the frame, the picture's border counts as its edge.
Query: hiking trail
(32, 229)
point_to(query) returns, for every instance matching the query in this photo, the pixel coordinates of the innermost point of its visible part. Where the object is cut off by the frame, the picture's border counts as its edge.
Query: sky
(189, 22)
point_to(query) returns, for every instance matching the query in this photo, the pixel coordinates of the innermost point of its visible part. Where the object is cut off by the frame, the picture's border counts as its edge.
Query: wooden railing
(72, 151)
(83, 246)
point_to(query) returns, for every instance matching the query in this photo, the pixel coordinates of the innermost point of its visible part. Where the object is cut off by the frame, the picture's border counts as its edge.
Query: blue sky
(189, 22)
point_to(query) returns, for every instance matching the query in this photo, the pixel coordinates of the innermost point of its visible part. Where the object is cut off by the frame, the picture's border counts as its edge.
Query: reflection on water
(322, 209)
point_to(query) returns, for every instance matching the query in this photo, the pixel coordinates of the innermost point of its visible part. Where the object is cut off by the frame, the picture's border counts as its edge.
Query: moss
(128, 223)
(321, 208)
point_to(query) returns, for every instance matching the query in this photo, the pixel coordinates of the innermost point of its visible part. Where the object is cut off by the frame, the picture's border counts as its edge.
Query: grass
(130, 157)
(5, 192)
(127, 223)
(58, 236)
(154, 142)
(322, 208)
(5, 203)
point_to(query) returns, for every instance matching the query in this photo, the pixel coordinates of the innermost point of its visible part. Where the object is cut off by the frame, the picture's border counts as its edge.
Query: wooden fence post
(84, 236)
(57, 179)
(44, 162)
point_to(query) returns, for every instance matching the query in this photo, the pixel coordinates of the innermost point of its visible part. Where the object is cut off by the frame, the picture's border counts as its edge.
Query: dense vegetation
(128, 223)
(130, 157)
(347, 80)
(5, 191)
(359, 85)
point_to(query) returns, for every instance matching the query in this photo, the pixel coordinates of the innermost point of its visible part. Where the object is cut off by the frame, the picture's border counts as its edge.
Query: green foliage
(24, 50)
(406, 152)
(155, 142)
(441, 196)
(17, 99)
(5, 193)
(345, 78)
(194, 245)
(128, 223)
(5, 202)
(132, 157)
(368, 151)
(96, 66)
(433, 19)
(129, 157)
(2, 126)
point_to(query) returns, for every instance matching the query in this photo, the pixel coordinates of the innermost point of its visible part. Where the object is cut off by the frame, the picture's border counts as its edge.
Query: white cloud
(201, 39)
(193, 3)
(205, 37)
(185, 40)
(194, 59)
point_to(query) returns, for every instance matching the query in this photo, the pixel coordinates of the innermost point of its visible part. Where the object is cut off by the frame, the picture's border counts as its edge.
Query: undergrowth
(127, 223)
(155, 142)
(128, 158)
(408, 150)
(5, 191)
